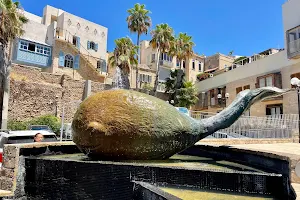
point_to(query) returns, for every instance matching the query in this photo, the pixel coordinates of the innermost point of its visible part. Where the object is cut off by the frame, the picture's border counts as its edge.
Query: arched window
(92, 45)
(69, 61)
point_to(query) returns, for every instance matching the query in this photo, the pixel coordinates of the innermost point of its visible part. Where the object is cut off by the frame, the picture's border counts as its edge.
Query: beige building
(192, 67)
(273, 67)
(62, 43)
(217, 62)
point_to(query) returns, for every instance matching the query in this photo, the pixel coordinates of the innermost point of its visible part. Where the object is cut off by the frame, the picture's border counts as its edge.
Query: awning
(213, 69)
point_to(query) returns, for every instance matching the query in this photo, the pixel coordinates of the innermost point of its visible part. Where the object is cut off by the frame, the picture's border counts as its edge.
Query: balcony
(294, 49)
(165, 63)
(269, 64)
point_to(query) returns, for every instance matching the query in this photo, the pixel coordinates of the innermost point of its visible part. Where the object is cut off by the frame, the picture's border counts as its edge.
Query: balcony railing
(294, 49)
(166, 63)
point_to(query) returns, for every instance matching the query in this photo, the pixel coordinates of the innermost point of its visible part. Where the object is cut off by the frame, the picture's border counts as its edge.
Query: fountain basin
(62, 172)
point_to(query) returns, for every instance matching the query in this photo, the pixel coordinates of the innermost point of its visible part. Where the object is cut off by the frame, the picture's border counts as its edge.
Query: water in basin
(195, 194)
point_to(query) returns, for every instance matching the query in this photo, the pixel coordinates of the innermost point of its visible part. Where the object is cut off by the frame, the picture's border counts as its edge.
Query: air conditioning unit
(211, 75)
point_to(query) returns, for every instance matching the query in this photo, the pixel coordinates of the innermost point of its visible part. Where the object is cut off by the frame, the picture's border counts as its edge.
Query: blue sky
(244, 26)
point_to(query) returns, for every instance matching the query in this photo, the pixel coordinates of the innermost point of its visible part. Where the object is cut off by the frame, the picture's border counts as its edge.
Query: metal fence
(275, 126)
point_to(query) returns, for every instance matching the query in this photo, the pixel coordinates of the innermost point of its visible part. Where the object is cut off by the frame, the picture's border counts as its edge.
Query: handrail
(70, 41)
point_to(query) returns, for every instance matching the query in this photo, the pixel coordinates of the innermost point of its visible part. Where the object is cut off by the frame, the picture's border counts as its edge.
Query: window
(270, 80)
(274, 109)
(74, 40)
(35, 48)
(183, 64)
(239, 89)
(39, 49)
(193, 65)
(199, 67)
(293, 38)
(92, 45)
(31, 47)
(98, 64)
(43, 50)
(145, 78)
(69, 61)
(165, 57)
(262, 82)
(294, 34)
(47, 51)
(247, 87)
(212, 98)
(177, 63)
(153, 58)
(24, 45)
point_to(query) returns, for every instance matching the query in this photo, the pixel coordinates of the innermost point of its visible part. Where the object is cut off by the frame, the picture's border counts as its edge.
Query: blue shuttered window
(92, 45)
(61, 61)
(103, 69)
(76, 62)
(78, 42)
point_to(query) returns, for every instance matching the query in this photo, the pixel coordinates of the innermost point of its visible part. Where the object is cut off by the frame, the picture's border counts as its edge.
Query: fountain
(138, 147)
(117, 80)
(124, 124)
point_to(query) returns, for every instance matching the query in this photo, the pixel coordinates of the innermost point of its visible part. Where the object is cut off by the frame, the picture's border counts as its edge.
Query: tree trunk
(5, 67)
(125, 80)
(138, 59)
(157, 73)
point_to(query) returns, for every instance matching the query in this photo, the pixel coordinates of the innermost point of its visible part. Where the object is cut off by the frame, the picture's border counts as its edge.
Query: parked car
(18, 137)
(183, 110)
(39, 128)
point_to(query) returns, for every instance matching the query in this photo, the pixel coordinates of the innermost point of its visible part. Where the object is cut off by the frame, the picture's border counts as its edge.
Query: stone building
(62, 43)
(217, 62)
(273, 67)
(192, 66)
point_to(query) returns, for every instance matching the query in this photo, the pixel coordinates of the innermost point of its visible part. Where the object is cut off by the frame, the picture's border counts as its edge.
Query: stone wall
(34, 93)
(11, 171)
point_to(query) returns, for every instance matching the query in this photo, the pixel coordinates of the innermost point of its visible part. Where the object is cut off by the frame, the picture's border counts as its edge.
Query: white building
(62, 43)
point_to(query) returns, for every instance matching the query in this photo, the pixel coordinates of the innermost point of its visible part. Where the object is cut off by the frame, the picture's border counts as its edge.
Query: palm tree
(162, 37)
(174, 83)
(138, 22)
(182, 47)
(123, 58)
(11, 23)
(187, 96)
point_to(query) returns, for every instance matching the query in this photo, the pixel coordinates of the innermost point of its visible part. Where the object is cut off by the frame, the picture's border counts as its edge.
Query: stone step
(5, 193)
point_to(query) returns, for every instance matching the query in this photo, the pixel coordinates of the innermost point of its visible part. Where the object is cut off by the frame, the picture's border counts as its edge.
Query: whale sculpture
(128, 125)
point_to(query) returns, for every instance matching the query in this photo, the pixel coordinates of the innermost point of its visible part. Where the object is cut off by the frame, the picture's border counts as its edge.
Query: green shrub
(17, 125)
(49, 120)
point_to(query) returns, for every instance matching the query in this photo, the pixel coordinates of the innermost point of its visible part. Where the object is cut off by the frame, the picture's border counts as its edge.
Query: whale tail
(242, 102)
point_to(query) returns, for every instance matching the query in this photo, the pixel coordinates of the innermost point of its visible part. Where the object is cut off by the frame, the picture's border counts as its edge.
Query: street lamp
(223, 100)
(296, 82)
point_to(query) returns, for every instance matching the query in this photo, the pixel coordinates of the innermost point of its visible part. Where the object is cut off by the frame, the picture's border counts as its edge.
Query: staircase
(87, 70)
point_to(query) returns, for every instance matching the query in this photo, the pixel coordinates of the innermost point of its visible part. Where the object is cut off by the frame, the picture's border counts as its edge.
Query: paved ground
(280, 148)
